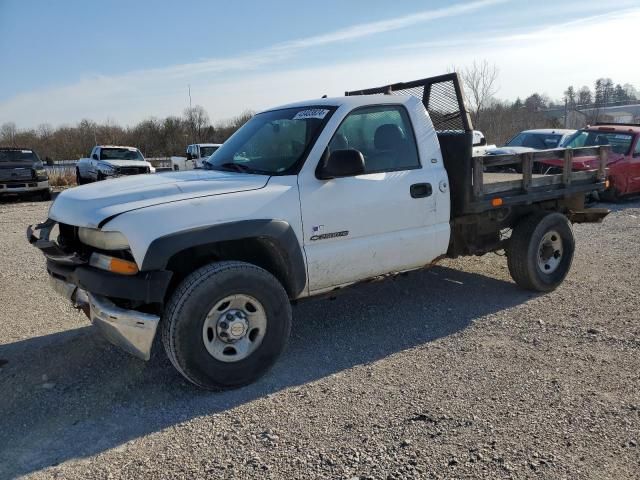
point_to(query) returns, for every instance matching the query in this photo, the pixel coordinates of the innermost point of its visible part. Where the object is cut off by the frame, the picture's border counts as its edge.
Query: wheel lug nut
(224, 325)
(223, 334)
(229, 317)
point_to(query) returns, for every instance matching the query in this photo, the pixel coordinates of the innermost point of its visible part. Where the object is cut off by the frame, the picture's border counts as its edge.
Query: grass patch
(63, 179)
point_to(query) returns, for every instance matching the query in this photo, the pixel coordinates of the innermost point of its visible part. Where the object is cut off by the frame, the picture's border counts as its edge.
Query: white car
(530, 140)
(109, 161)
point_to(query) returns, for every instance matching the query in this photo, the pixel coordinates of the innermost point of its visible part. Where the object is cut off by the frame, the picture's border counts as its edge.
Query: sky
(125, 61)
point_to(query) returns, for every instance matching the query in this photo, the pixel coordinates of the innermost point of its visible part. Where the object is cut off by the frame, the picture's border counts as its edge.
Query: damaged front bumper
(94, 291)
(130, 330)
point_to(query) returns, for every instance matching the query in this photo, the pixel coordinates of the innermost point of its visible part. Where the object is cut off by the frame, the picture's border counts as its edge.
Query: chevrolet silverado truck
(197, 153)
(22, 173)
(302, 201)
(110, 161)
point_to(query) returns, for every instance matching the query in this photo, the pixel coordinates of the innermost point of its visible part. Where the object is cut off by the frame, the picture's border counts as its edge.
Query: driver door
(379, 222)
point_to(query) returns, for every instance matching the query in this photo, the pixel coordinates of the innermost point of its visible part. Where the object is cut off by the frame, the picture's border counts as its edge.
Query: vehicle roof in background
(117, 146)
(551, 131)
(614, 127)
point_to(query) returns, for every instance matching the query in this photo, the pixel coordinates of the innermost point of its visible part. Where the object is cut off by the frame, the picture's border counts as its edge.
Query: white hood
(126, 163)
(88, 205)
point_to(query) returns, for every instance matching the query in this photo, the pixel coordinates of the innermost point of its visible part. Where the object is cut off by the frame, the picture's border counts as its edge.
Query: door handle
(420, 190)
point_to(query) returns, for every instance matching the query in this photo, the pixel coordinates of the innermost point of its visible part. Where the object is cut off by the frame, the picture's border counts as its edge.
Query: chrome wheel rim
(550, 252)
(234, 328)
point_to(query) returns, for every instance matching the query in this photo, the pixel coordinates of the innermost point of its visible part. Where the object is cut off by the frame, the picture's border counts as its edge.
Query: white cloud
(544, 59)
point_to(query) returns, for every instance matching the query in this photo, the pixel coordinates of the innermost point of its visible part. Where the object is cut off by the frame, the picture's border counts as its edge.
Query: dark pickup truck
(22, 173)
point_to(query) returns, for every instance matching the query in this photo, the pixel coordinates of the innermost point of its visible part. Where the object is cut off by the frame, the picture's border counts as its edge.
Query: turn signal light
(496, 202)
(112, 264)
(606, 183)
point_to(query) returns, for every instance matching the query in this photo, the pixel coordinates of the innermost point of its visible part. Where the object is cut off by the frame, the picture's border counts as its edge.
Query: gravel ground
(448, 373)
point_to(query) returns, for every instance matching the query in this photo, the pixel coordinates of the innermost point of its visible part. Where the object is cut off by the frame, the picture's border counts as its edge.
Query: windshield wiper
(236, 167)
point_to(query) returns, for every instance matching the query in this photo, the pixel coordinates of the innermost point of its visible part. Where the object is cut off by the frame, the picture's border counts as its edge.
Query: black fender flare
(278, 233)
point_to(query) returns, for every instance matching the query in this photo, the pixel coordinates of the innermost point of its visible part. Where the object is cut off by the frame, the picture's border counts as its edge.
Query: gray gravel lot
(448, 373)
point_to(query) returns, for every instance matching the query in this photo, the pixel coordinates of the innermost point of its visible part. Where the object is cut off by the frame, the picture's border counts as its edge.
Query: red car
(624, 158)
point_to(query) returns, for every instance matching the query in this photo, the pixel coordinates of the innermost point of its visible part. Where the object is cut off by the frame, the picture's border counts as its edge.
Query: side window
(189, 149)
(636, 152)
(384, 136)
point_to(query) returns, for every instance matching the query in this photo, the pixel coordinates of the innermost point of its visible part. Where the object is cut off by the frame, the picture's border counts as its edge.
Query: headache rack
(474, 187)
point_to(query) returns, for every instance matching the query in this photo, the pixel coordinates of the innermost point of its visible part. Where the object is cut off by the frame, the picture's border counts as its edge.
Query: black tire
(45, 196)
(186, 312)
(79, 179)
(100, 177)
(524, 251)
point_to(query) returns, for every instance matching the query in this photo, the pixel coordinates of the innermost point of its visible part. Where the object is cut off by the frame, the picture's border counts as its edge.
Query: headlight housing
(41, 174)
(103, 240)
(106, 169)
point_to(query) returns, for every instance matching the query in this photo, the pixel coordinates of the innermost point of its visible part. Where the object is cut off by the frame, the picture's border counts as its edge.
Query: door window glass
(384, 136)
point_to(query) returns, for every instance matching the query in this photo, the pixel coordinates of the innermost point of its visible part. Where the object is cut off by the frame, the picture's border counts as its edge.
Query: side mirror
(95, 156)
(340, 163)
(189, 156)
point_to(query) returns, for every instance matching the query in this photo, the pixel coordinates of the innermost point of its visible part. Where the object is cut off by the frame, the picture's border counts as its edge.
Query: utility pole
(189, 86)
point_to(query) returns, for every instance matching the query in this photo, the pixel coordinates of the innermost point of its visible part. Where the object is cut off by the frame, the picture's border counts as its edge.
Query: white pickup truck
(197, 153)
(305, 199)
(110, 161)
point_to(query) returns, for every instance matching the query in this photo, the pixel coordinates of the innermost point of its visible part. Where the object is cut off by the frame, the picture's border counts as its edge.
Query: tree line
(154, 137)
(499, 120)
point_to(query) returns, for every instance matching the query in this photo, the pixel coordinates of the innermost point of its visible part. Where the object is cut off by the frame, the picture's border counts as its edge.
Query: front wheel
(226, 324)
(540, 251)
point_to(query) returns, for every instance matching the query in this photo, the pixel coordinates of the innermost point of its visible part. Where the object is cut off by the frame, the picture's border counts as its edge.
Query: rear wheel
(226, 324)
(79, 179)
(540, 251)
(100, 177)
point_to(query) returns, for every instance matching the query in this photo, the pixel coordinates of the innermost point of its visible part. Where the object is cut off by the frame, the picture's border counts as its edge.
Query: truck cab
(197, 153)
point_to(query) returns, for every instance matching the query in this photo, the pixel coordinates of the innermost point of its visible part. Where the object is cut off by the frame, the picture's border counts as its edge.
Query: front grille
(15, 174)
(132, 170)
(20, 185)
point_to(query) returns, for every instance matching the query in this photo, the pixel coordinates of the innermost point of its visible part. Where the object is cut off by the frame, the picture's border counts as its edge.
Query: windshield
(120, 154)
(539, 141)
(620, 142)
(271, 143)
(207, 151)
(26, 156)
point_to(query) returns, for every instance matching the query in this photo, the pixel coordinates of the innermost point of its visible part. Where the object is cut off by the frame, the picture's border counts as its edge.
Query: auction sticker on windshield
(311, 113)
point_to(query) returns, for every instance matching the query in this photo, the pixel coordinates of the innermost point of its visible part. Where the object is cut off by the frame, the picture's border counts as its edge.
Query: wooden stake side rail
(528, 179)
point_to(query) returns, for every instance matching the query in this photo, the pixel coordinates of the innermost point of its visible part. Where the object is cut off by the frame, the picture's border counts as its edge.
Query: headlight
(106, 168)
(103, 240)
(41, 174)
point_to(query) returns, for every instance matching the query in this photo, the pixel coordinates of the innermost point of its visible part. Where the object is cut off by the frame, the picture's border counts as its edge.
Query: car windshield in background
(271, 143)
(120, 154)
(18, 156)
(207, 151)
(539, 141)
(620, 142)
